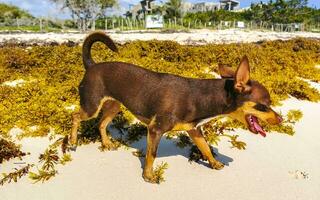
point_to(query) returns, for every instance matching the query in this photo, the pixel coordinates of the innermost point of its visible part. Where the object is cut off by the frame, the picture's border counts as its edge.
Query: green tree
(10, 12)
(173, 9)
(274, 11)
(315, 16)
(86, 11)
(201, 16)
(281, 11)
(219, 15)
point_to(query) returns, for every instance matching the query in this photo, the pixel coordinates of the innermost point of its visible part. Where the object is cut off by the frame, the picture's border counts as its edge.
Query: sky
(45, 8)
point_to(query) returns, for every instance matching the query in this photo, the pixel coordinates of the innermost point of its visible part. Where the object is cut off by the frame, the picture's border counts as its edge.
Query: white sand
(193, 37)
(15, 83)
(270, 168)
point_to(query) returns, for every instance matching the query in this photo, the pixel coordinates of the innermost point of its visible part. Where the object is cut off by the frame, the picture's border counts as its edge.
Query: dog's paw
(217, 165)
(109, 147)
(73, 147)
(150, 178)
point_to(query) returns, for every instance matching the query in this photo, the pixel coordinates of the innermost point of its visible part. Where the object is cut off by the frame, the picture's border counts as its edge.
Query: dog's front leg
(156, 129)
(153, 140)
(203, 146)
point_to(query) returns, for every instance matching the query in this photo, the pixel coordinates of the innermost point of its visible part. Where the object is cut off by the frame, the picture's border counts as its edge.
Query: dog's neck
(219, 98)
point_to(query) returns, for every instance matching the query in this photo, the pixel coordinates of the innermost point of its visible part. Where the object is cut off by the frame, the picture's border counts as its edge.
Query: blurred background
(125, 15)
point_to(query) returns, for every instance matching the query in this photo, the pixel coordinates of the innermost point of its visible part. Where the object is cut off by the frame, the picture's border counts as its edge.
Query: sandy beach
(193, 37)
(278, 167)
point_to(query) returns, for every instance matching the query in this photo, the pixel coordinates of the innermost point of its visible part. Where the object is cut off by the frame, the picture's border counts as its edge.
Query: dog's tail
(97, 36)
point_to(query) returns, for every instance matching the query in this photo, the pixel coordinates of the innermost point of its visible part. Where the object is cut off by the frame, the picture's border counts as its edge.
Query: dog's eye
(261, 107)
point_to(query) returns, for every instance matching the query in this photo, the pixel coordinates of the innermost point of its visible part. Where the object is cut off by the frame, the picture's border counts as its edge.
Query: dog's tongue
(258, 127)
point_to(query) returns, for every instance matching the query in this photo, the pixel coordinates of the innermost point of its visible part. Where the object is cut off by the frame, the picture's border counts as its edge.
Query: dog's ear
(225, 71)
(243, 76)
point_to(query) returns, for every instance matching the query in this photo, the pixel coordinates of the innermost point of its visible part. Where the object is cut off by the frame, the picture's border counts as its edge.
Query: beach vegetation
(159, 172)
(9, 150)
(15, 175)
(51, 74)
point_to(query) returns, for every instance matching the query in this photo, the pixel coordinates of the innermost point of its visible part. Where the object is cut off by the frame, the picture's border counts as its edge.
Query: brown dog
(167, 102)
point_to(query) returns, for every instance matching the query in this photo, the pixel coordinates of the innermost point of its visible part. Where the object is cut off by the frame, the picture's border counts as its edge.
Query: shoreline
(193, 37)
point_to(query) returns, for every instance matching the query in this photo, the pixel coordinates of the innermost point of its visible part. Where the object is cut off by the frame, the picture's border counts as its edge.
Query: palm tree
(173, 9)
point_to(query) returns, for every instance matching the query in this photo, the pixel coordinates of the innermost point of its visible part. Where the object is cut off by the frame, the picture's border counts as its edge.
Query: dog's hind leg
(203, 146)
(77, 117)
(110, 109)
(88, 110)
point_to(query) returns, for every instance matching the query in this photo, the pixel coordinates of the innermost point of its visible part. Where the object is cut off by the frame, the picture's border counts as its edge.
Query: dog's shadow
(168, 147)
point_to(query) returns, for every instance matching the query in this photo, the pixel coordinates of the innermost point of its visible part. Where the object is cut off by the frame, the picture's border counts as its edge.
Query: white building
(230, 5)
(143, 8)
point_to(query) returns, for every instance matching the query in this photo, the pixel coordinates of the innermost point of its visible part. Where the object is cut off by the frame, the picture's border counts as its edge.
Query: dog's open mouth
(254, 125)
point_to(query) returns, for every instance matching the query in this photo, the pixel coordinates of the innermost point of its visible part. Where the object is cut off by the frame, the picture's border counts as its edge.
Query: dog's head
(252, 99)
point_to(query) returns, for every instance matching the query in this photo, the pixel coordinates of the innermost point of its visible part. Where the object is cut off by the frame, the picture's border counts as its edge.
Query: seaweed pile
(9, 150)
(52, 74)
(43, 103)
